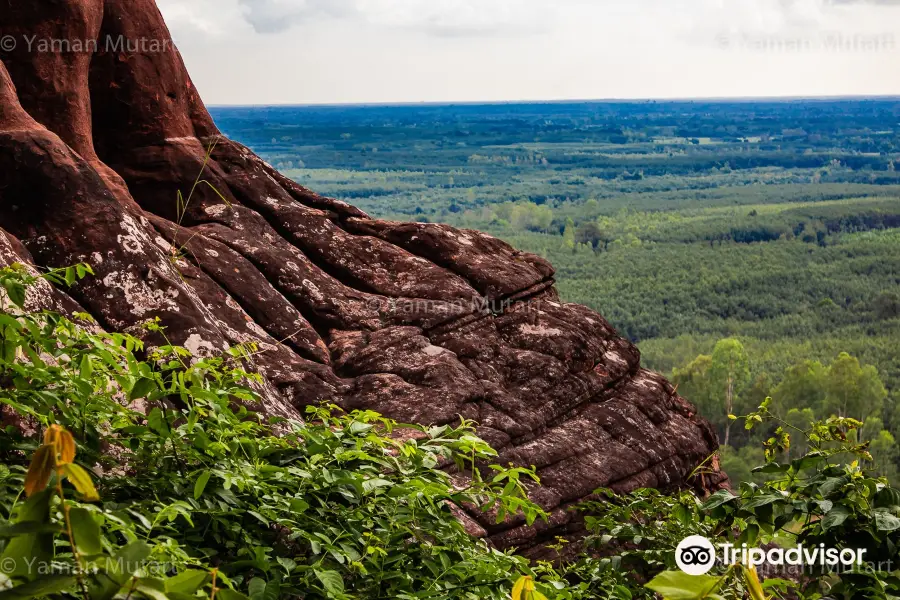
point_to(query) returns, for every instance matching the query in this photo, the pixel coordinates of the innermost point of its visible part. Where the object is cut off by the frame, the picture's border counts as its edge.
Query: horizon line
(691, 99)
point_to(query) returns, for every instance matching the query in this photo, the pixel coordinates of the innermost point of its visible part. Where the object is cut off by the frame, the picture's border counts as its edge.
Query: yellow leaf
(66, 448)
(63, 442)
(79, 478)
(40, 470)
(51, 434)
(519, 588)
(753, 585)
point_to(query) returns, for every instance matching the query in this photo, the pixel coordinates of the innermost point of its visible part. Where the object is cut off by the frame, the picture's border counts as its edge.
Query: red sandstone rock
(423, 323)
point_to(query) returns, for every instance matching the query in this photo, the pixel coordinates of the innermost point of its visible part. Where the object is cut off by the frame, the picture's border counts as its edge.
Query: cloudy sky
(339, 51)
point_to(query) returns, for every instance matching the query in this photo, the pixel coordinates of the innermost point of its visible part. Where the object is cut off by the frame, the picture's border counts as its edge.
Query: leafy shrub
(814, 500)
(201, 496)
(133, 471)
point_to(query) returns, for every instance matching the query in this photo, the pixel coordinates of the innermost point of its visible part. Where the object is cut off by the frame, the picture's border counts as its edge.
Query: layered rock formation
(420, 322)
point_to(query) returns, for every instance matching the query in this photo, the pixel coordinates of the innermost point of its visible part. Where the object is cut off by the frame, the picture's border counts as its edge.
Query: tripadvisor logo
(696, 555)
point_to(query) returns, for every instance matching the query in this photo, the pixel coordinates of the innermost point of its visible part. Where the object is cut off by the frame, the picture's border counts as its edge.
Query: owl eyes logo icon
(695, 555)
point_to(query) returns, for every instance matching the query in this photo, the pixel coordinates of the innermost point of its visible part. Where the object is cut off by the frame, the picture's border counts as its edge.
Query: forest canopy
(686, 224)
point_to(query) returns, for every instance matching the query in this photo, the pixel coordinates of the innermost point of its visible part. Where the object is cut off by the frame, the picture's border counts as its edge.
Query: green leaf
(86, 532)
(179, 596)
(286, 563)
(682, 514)
(677, 585)
(885, 521)
(256, 588)
(373, 484)
(83, 269)
(832, 484)
(331, 581)
(201, 484)
(143, 388)
(771, 468)
(259, 517)
(273, 591)
(187, 582)
(229, 594)
(33, 548)
(44, 586)
(750, 535)
(761, 500)
(15, 291)
(808, 461)
(157, 422)
(888, 497)
(103, 587)
(357, 428)
(17, 529)
(718, 499)
(86, 369)
(835, 517)
(155, 589)
(128, 561)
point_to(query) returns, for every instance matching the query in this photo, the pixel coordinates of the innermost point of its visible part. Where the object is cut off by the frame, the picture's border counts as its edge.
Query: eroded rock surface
(423, 323)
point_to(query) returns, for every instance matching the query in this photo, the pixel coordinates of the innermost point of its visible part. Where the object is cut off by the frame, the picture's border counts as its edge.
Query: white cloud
(273, 16)
(517, 17)
(284, 51)
(464, 17)
(206, 18)
(441, 17)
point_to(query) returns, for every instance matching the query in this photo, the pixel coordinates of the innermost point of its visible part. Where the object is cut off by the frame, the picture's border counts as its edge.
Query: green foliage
(811, 500)
(739, 462)
(853, 390)
(16, 279)
(884, 451)
(342, 506)
(526, 216)
(729, 372)
(648, 521)
(887, 305)
(736, 582)
(803, 386)
(817, 500)
(356, 506)
(807, 390)
(694, 382)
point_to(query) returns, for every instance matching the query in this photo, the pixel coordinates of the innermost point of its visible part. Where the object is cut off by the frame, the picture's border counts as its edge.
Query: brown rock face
(423, 323)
